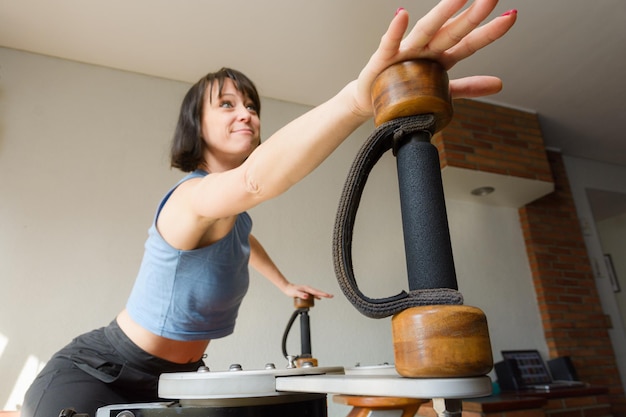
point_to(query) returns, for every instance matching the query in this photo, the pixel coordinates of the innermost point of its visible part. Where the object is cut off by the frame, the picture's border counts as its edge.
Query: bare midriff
(177, 351)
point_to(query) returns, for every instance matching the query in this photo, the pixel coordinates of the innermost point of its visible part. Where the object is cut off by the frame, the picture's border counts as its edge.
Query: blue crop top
(192, 294)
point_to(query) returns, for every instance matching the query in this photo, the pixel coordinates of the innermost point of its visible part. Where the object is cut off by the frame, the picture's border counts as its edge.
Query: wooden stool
(363, 406)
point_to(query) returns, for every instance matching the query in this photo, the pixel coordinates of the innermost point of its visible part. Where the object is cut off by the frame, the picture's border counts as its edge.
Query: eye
(226, 104)
(251, 107)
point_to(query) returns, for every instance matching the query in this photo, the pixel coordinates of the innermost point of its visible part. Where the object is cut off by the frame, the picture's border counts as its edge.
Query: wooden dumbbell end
(411, 88)
(304, 302)
(441, 341)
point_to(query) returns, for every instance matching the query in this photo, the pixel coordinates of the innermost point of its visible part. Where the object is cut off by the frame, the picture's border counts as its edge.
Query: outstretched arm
(302, 145)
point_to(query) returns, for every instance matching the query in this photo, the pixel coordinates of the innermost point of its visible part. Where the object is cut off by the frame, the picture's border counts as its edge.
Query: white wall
(586, 174)
(83, 163)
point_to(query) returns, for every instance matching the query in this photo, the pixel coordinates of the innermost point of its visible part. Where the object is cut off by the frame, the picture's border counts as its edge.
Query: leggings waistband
(141, 359)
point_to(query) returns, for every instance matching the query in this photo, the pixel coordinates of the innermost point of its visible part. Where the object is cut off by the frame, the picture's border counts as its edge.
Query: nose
(243, 113)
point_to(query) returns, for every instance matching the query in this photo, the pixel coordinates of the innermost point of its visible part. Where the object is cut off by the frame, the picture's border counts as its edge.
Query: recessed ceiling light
(482, 191)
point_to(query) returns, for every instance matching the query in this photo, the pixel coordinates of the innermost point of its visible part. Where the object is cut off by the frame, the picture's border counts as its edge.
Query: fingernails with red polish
(399, 10)
(510, 12)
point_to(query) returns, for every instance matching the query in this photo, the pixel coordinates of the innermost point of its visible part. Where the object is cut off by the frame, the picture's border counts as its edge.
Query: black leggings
(99, 368)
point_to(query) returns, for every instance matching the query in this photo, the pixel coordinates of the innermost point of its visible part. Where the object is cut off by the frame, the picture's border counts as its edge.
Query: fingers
(384, 56)
(446, 38)
(479, 38)
(390, 41)
(318, 294)
(428, 26)
(476, 86)
(306, 291)
(460, 26)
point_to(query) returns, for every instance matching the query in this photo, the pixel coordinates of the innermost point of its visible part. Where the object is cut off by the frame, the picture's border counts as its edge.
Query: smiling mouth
(243, 130)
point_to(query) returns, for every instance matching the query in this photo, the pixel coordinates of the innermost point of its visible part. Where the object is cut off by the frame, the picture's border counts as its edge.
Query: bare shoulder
(179, 223)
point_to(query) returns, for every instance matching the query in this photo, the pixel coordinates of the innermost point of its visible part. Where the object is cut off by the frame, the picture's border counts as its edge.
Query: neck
(213, 164)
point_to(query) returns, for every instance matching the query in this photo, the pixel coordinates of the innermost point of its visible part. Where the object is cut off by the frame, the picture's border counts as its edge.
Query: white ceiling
(564, 59)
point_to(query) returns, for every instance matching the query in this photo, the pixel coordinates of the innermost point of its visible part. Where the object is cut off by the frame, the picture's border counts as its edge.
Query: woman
(194, 272)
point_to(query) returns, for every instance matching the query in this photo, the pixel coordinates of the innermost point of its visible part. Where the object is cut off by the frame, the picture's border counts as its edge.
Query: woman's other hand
(304, 292)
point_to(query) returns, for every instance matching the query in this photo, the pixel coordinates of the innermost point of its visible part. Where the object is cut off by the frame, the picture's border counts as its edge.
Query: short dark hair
(187, 150)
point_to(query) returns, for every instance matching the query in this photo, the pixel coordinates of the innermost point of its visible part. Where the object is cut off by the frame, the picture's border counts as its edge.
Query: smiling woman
(194, 272)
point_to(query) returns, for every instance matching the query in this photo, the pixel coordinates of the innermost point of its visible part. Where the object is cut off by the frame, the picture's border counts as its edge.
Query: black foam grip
(429, 259)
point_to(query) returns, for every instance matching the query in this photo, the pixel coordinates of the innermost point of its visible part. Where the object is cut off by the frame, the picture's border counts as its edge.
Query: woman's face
(230, 127)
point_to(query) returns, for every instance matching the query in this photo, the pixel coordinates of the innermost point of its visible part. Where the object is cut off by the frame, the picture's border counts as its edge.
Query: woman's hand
(439, 36)
(304, 292)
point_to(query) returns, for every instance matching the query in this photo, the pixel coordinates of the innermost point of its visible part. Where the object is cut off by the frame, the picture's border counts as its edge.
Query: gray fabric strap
(385, 137)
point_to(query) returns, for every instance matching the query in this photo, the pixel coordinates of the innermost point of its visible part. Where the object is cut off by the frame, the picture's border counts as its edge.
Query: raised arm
(302, 145)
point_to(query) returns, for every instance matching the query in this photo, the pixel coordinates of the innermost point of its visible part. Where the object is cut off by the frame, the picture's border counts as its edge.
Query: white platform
(388, 386)
(230, 384)
(371, 381)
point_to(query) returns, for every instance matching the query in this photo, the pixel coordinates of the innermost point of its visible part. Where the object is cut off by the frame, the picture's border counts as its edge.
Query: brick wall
(572, 317)
(506, 141)
(494, 139)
